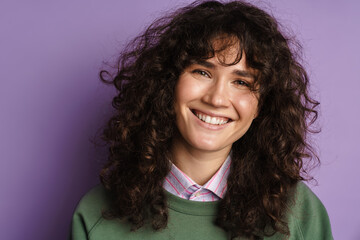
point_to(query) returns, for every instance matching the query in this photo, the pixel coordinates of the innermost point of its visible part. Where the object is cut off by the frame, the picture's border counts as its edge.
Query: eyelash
(201, 72)
(206, 74)
(241, 82)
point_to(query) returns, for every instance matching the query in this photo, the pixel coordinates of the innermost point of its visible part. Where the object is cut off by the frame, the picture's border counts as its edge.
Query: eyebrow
(241, 73)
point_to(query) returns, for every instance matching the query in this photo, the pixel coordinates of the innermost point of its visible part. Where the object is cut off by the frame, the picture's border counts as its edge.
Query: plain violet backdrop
(52, 103)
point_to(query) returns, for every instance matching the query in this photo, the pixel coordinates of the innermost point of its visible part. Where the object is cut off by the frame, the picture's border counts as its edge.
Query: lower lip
(208, 125)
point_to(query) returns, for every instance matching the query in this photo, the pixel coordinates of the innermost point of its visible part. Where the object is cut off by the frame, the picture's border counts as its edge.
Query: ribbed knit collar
(191, 207)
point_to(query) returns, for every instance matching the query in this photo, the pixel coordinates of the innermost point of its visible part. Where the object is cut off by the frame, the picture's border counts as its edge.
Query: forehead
(227, 49)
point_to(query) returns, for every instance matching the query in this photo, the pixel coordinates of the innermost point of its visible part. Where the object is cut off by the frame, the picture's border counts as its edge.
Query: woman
(210, 136)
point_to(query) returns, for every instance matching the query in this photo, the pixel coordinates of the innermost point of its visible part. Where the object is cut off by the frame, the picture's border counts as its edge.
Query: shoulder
(88, 213)
(305, 203)
(94, 201)
(303, 197)
(307, 216)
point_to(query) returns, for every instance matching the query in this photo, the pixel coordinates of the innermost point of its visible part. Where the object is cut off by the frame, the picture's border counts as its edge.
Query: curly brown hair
(266, 162)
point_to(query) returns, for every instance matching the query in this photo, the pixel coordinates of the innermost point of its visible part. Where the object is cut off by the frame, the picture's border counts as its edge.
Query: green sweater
(307, 219)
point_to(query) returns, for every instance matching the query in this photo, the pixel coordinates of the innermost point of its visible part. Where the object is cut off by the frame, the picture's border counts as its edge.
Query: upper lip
(211, 114)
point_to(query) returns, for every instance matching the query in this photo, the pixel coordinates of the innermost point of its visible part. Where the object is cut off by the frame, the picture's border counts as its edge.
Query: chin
(205, 146)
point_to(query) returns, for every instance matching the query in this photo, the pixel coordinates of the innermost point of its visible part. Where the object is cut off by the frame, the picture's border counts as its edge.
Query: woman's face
(214, 104)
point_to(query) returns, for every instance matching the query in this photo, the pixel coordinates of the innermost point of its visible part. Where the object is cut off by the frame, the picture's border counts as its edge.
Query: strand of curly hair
(266, 162)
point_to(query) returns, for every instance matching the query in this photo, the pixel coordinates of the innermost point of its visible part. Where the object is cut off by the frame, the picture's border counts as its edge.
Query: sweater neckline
(191, 207)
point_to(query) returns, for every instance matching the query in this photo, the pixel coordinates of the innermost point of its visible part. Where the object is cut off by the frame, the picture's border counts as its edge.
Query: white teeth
(211, 120)
(208, 119)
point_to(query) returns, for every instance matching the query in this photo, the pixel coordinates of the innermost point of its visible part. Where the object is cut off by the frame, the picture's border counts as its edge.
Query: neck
(199, 165)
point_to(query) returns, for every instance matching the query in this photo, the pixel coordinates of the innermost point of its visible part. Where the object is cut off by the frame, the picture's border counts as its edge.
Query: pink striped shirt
(181, 185)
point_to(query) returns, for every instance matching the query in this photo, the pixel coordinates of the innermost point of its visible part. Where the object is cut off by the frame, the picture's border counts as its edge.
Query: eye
(201, 72)
(241, 83)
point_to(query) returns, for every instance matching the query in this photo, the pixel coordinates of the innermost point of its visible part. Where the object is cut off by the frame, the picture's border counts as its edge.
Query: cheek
(246, 106)
(183, 95)
(188, 89)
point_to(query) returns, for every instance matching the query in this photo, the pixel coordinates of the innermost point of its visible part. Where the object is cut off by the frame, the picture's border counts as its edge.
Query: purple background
(52, 103)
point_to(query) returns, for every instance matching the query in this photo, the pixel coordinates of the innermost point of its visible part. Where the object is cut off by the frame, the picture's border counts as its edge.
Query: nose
(217, 95)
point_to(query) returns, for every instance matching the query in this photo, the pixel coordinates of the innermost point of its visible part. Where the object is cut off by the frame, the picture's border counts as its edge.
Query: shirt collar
(182, 183)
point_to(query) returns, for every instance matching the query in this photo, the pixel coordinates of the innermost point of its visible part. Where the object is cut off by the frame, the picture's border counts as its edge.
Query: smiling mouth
(209, 119)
